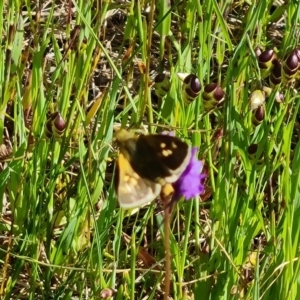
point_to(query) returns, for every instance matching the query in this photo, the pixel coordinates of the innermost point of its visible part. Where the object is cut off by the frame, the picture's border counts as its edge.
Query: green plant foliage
(73, 73)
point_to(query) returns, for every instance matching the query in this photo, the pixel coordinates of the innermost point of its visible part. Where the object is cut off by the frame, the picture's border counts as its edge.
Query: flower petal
(191, 182)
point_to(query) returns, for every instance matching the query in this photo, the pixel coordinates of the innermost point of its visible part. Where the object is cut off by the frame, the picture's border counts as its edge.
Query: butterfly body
(145, 164)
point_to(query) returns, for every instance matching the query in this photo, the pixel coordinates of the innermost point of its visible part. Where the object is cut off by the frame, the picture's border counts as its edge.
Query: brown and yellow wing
(132, 190)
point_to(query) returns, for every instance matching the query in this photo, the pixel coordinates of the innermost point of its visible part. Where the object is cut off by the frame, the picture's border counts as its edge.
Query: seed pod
(212, 96)
(297, 52)
(48, 129)
(258, 115)
(265, 60)
(5, 152)
(290, 66)
(107, 293)
(162, 85)
(55, 125)
(257, 98)
(191, 87)
(267, 90)
(252, 153)
(258, 51)
(252, 149)
(59, 125)
(275, 76)
(279, 97)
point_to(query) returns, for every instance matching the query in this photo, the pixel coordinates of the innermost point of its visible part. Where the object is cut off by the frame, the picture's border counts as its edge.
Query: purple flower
(170, 133)
(191, 182)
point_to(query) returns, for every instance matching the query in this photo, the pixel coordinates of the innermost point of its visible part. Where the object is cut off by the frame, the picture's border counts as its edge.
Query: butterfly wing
(133, 190)
(160, 158)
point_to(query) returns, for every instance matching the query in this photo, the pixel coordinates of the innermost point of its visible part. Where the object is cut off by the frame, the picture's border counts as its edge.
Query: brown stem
(167, 249)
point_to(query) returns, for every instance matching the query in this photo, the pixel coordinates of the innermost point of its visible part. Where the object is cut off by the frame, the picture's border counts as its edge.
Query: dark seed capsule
(59, 124)
(289, 74)
(55, 125)
(212, 96)
(159, 78)
(191, 88)
(290, 66)
(275, 76)
(252, 152)
(162, 85)
(292, 61)
(48, 129)
(267, 56)
(219, 94)
(258, 115)
(252, 149)
(265, 60)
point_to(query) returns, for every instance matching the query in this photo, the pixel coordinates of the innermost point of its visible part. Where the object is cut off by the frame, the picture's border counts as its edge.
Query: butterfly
(146, 164)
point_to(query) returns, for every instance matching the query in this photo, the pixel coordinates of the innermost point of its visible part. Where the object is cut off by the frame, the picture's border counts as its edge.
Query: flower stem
(167, 249)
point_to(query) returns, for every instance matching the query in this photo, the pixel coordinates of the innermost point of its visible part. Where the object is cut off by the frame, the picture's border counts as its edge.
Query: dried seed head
(292, 61)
